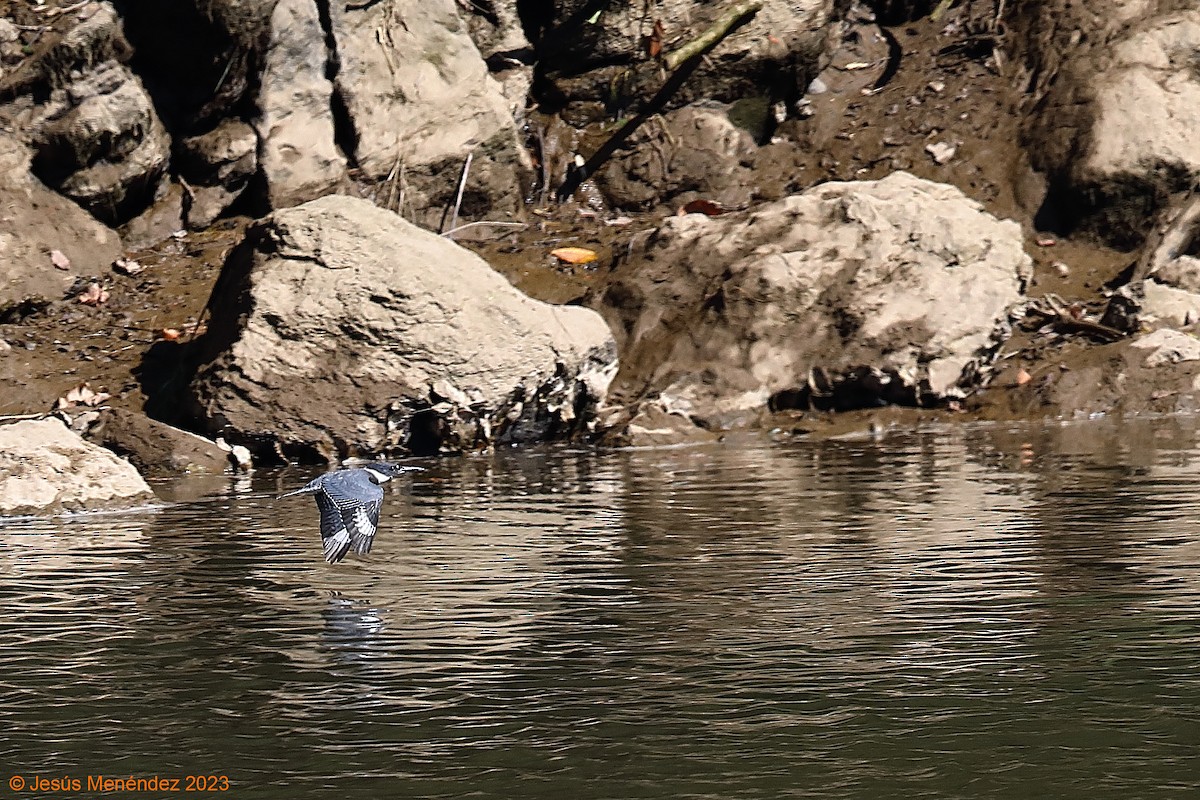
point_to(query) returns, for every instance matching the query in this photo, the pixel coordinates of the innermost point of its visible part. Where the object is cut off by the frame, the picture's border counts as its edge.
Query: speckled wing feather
(362, 524)
(334, 537)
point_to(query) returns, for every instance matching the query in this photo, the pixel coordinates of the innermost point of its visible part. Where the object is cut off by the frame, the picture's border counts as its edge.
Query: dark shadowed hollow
(999, 612)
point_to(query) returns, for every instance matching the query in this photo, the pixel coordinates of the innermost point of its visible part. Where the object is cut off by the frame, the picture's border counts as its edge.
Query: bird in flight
(350, 501)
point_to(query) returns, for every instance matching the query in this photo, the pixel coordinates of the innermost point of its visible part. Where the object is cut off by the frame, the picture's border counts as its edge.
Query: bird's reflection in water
(351, 628)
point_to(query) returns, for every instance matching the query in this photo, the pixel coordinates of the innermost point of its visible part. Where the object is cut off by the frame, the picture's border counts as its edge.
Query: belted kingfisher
(349, 501)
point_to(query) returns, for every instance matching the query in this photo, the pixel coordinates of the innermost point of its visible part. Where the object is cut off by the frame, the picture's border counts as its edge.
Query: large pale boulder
(1148, 101)
(46, 468)
(299, 153)
(848, 295)
(419, 96)
(28, 277)
(1112, 107)
(341, 329)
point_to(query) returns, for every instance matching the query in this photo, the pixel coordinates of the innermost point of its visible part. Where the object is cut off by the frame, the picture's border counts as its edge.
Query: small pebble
(941, 152)
(1062, 269)
(817, 87)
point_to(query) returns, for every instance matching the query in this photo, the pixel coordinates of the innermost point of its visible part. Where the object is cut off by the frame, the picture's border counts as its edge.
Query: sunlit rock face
(46, 468)
(847, 295)
(341, 329)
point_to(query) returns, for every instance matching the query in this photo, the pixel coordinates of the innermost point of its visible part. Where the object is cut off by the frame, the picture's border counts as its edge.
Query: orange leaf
(574, 255)
(654, 43)
(706, 207)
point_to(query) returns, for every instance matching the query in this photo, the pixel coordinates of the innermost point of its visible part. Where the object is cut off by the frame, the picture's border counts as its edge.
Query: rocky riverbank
(287, 224)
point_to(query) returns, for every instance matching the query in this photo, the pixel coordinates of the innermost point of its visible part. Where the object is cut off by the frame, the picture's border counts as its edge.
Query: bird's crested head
(382, 472)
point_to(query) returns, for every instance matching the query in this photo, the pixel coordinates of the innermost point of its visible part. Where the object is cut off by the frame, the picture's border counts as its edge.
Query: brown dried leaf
(654, 42)
(1023, 377)
(706, 207)
(170, 334)
(94, 295)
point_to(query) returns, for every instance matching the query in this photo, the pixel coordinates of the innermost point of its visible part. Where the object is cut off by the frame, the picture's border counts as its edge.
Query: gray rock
(1181, 273)
(1112, 102)
(1168, 347)
(340, 329)
(99, 141)
(153, 446)
(218, 166)
(500, 36)
(848, 295)
(299, 155)
(1168, 305)
(95, 37)
(419, 95)
(774, 53)
(45, 468)
(223, 155)
(161, 220)
(497, 31)
(696, 149)
(1148, 101)
(27, 277)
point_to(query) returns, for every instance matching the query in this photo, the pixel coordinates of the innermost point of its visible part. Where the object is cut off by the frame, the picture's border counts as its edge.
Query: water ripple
(953, 613)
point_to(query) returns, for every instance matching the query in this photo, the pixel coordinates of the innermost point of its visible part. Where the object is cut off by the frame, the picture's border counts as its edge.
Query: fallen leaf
(706, 207)
(574, 255)
(170, 334)
(94, 295)
(59, 259)
(81, 395)
(654, 42)
(1023, 377)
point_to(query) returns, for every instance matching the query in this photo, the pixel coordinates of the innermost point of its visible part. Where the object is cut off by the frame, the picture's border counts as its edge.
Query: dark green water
(984, 613)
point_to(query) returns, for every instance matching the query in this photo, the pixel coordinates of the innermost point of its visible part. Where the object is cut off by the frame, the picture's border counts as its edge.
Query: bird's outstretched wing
(362, 522)
(335, 539)
(349, 514)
